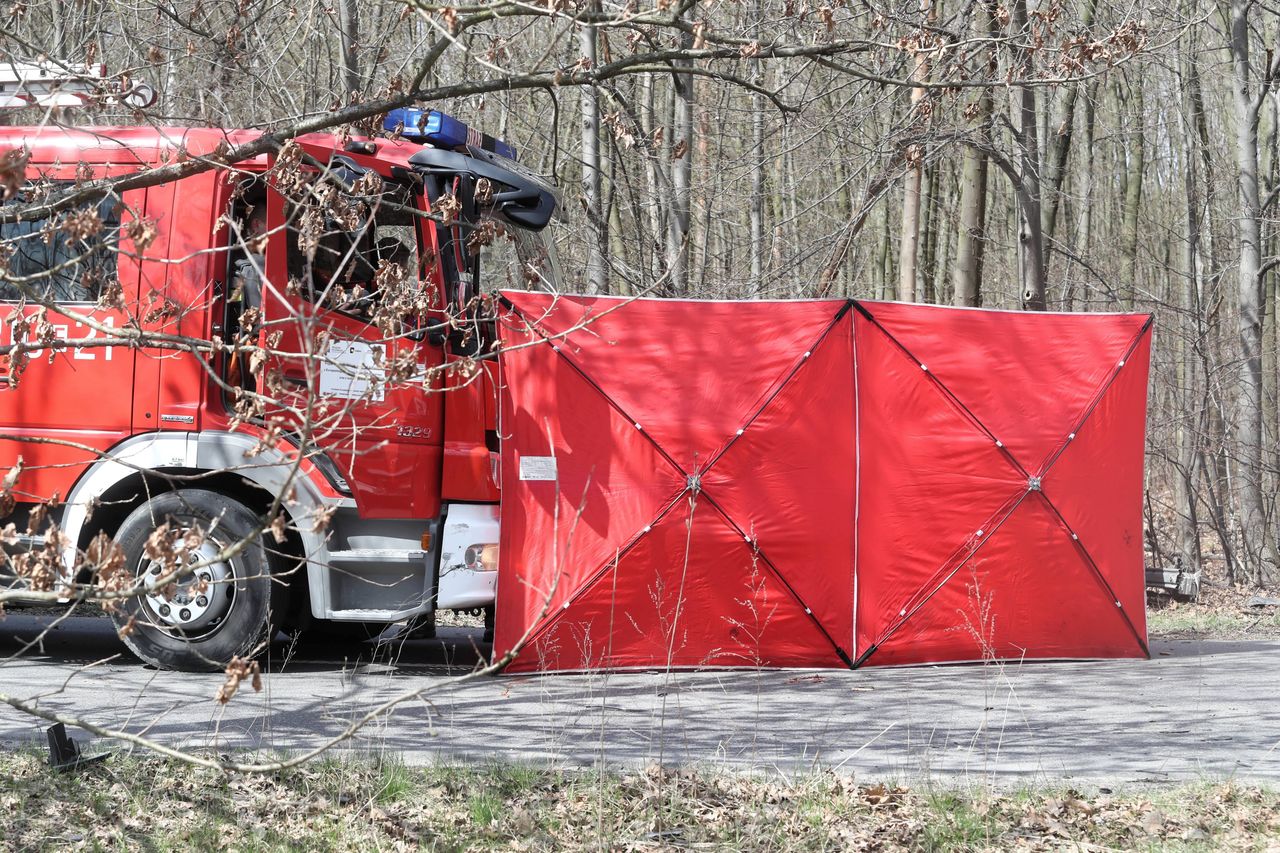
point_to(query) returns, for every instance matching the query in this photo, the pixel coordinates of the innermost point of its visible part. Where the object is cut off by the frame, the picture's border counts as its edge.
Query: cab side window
(66, 257)
(344, 248)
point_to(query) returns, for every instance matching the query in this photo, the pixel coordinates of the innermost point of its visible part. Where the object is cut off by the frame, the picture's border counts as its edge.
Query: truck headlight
(481, 558)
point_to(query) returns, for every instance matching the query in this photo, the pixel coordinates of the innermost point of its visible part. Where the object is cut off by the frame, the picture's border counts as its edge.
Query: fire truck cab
(337, 469)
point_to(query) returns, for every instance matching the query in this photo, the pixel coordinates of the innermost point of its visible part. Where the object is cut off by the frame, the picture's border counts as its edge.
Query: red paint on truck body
(73, 406)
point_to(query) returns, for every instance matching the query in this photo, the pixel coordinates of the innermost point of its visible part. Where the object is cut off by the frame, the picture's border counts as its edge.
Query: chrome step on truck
(385, 575)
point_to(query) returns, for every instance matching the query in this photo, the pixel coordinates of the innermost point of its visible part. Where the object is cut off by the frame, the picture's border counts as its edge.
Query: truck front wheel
(219, 604)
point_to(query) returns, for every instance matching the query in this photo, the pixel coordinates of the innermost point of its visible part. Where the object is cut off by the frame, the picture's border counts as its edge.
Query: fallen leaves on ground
(149, 803)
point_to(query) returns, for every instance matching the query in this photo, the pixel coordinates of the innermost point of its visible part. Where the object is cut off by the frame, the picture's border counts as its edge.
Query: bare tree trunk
(1270, 350)
(850, 212)
(885, 264)
(1030, 237)
(1084, 226)
(909, 238)
(909, 244)
(678, 224)
(942, 209)
(59, 40)
(592, 192)
(658, 199)
(1248, 420)
(756, 208)
(1055, 166)
(967, 273)
(1213, 454)
(1187, 480)
(349, 23)
(620, 248)
(1271, 437)
(928, 232)
(1133, 174)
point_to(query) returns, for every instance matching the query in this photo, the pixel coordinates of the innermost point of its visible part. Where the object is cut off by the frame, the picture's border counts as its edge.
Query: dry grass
(145, 803)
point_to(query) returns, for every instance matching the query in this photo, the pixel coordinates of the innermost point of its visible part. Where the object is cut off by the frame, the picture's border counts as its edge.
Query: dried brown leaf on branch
(447, 207)
(106, 559)
(7, 501)
(237, 672)
(143, 232)
(450, 16)
(36, 518)
(13, 172)
(320, 519)
(112, 295)
(159, 545)
(279, 528)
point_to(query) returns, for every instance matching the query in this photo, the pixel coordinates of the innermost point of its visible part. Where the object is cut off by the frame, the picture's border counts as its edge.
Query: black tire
(235, 618)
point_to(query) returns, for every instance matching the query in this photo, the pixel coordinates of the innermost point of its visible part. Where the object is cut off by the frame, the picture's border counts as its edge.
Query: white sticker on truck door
(537, 467)
(354, 370)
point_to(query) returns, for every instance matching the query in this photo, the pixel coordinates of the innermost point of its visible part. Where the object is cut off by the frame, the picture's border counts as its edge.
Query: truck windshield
(500, 254)
(480, 259)
(519, 259)
(491, 218)
(483, 258)
(539, 263)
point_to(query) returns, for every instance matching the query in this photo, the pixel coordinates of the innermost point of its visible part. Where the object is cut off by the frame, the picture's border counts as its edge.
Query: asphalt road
(1196, 710)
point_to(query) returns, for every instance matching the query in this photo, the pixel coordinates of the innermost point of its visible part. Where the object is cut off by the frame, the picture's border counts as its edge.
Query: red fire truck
(355, 410)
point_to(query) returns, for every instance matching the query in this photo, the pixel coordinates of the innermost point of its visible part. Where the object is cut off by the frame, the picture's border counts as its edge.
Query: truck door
(61, 406)
(344, 316)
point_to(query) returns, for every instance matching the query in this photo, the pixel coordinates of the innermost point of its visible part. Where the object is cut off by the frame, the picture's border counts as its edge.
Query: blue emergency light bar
(442, 131)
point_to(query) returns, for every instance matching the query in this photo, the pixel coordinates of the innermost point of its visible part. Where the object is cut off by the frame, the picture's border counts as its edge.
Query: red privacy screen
(820, 483)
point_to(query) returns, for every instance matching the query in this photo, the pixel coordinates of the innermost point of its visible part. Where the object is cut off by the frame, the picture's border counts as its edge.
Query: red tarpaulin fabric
(817, 483)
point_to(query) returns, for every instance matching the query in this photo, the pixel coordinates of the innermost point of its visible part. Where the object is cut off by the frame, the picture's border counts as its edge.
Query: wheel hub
(201, 597)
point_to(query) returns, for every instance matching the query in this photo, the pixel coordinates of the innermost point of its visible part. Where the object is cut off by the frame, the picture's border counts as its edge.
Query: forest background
(1070, 155)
